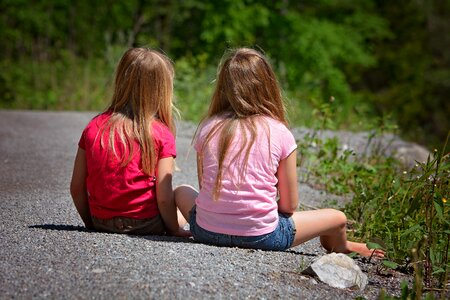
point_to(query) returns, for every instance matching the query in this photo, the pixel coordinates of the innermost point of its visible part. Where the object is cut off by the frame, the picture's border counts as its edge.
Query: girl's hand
(181, 232)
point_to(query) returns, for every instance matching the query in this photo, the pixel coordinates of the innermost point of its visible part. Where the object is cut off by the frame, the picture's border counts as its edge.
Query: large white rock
(340, 271)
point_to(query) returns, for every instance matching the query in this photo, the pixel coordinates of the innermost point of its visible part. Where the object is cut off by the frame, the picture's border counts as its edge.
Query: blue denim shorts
(278, 240)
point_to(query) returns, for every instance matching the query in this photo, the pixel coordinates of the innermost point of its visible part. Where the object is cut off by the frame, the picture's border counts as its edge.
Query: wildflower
(404, 172)
(444, 200)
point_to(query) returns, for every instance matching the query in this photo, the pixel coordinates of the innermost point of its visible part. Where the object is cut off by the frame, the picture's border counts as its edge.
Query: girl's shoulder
(273, 124)
(161, 130)
(99, 120)
(103, 115)
(209, 123)
(261, 121)
(160, 126)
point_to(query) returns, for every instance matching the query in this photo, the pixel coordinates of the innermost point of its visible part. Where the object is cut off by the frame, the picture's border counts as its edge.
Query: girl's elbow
(73, 192)
(165, 198)
(294, 205)
(76, 190)
(288, 208)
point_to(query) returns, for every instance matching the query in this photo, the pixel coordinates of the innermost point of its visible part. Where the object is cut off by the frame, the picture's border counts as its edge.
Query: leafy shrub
(407, 212)
(70, 83)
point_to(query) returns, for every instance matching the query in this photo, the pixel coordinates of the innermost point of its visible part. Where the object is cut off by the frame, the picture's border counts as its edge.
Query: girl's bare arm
(199, 170)
(287, 184)
(164, 193)
(78, 188)
(166, 198)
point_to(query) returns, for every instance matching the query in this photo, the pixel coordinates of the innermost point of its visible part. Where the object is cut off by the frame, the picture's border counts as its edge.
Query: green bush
(194, 82)
(404, 211)
(71, 83)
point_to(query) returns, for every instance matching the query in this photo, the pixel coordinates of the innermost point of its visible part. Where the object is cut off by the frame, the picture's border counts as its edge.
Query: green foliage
(70, 84)
(336, 168)
(192, 91)
(45, 30)
(409, 212)
(406, 210)
(411, 82)
(373, 58)
(228, 21)
(312, 54)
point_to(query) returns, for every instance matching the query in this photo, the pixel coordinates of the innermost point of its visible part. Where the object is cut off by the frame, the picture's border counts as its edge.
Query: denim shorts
(278, 240)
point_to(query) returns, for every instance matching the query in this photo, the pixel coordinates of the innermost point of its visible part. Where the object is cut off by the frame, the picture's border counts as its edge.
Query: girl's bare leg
(181, 220)
(330, 226)
(185, 196)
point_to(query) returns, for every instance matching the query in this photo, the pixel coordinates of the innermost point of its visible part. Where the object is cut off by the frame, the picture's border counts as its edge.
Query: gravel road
(46, 253)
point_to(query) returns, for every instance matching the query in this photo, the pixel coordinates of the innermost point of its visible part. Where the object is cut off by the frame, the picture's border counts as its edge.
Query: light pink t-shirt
(249, 207)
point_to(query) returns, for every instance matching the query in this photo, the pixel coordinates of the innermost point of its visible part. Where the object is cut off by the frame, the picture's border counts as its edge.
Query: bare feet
(363, 250)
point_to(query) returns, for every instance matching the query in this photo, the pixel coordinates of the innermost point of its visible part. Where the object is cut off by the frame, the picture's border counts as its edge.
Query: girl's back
(116, 189)
(246, 203)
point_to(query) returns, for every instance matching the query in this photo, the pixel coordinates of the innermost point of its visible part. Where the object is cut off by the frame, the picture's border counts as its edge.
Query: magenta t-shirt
(121, 191)
(249, 207)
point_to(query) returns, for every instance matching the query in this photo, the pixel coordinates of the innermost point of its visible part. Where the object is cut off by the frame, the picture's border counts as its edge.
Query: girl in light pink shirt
(246, 162)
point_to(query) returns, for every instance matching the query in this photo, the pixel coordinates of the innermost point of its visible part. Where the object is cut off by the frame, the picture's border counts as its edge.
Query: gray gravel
(46, 253)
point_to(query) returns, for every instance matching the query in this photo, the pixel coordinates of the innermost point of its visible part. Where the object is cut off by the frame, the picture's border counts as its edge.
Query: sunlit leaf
(390, 264)
(411, 229)
(353, 254)
(372, 245)
(438, 271)
(438, 208)
(414, 205)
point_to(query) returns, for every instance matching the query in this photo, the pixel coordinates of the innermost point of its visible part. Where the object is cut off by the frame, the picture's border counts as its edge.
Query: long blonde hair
(143, 93)
(246, 88)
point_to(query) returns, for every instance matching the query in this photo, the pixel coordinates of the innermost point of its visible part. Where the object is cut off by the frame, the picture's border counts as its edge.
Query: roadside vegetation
(403, 210)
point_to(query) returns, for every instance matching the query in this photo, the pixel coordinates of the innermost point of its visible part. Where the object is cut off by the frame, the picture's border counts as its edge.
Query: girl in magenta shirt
(246, 161)
(122, 176)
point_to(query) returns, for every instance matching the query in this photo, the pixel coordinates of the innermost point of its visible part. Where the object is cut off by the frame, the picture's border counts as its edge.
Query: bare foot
(362, 250)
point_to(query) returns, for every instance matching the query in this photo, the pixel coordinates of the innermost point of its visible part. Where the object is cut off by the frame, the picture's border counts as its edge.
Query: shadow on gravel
(61, 227)
(164, 238)
(301, 253)
(157, 238)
